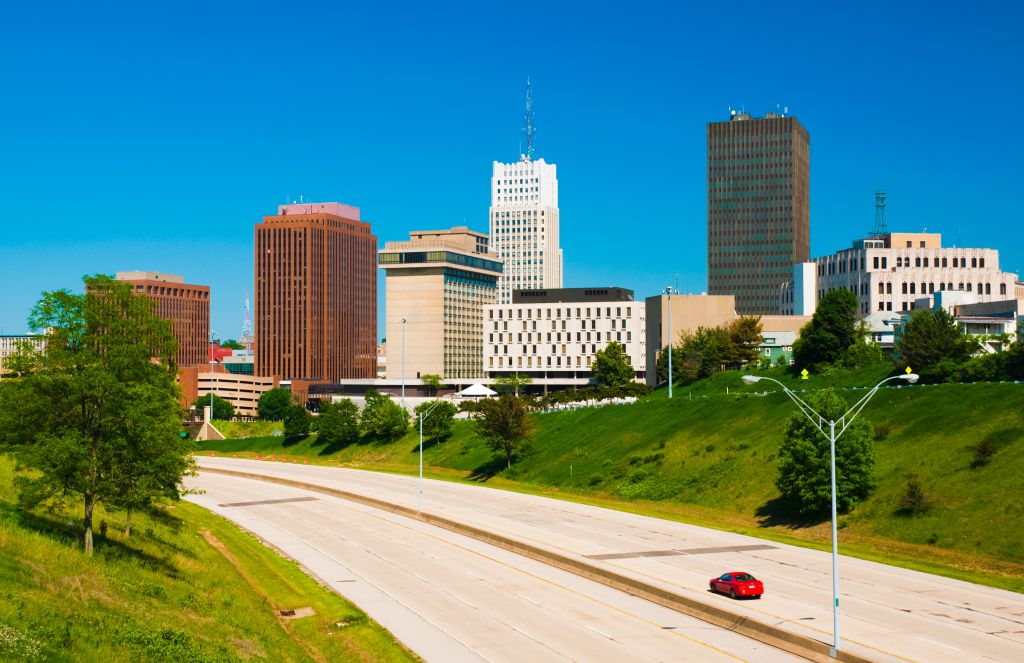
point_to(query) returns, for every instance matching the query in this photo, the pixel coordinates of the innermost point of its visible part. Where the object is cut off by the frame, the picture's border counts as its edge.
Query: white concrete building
(889, 273)
(524, 226)
(552, 335)
(9, 345)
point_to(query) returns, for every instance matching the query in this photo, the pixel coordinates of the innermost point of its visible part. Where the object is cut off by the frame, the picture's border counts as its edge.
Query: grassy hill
(708, 456)
(186, 587)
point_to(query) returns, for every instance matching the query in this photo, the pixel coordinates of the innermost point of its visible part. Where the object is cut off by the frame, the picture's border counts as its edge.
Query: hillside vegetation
(186, 587)
(709, 456)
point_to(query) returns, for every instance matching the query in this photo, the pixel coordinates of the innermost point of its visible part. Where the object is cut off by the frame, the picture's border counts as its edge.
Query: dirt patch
(297, 613)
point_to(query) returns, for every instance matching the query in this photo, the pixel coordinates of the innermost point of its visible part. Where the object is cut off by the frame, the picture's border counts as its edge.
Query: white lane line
(599, 632)
(936, 642)
(527, 598)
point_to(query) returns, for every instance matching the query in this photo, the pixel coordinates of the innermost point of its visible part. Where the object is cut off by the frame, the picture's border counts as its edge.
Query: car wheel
(732, 593)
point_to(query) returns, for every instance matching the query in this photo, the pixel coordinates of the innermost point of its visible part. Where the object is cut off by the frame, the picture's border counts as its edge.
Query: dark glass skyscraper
(758, 207)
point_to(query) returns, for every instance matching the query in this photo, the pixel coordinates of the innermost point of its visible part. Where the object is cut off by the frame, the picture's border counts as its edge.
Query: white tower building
(524, 226)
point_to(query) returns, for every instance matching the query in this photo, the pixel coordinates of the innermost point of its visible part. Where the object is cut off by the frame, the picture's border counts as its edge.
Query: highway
(450, 598)
(888, 613)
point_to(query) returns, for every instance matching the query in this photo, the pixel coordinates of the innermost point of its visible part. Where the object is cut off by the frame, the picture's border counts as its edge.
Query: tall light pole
(821, 424)
(213, 385)
(421, 416)
(668, 291)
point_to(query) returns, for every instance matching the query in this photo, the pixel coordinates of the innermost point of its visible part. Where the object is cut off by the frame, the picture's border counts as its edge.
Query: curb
(800, 645)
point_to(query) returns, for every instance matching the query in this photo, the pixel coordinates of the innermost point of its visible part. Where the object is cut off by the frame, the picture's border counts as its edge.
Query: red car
(737, 584)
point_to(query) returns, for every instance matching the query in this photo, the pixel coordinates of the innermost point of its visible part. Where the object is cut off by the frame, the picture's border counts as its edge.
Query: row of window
(558, 337)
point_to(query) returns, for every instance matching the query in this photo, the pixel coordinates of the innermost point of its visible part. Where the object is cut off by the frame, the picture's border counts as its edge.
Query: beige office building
(436, 286)
(243, 391)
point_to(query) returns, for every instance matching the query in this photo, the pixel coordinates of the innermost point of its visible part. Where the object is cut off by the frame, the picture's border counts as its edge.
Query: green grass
(709, 457)
(187, 586)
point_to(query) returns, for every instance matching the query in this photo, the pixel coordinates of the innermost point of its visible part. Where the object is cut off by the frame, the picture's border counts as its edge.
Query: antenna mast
(247, 323)
(528, 127)
(880, 225)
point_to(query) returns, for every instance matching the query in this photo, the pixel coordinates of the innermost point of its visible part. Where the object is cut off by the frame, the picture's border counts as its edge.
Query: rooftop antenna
(246, 319)
(528, 127)
(880, 226)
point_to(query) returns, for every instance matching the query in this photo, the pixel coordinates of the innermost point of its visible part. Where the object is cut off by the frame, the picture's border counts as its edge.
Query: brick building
(187, 306)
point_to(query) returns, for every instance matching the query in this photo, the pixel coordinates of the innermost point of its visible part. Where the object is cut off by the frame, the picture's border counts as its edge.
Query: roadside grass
(710, 458)
(187, 586)
(240, 429)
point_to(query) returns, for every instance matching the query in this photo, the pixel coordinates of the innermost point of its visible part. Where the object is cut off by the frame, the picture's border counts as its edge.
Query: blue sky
(154, 135)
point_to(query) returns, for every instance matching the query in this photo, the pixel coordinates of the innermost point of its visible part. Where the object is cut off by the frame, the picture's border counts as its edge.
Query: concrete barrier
(794, 643)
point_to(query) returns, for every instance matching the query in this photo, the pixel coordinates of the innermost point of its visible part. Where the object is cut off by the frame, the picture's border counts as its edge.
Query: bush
(296, 421)
(881, 430)
(437, 419)
(222, 407)
(914, 500)
(338, 423)
(274, 403)
(382, 418)
(983, 453)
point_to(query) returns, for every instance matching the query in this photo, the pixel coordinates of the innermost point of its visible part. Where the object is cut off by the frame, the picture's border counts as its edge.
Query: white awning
(477, 390)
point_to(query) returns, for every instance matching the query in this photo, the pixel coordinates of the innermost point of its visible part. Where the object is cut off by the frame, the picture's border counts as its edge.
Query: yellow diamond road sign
(804, 374)
(909, 371)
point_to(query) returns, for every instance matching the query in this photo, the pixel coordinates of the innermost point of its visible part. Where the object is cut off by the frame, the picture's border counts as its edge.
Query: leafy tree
(438, 419)
(684, 367)
(914, 500)
(611, 367)
(513, 382)
(297, 421)
(863, 351)
(96, 415)
(804, 464)
(232, 344)
(432, 381)
(1014, 362)
(382, 418)
(744, 340)
(338, 423)
(222, 407)
(274, 403)
(830, 332)
(932, 345)
(506, 425)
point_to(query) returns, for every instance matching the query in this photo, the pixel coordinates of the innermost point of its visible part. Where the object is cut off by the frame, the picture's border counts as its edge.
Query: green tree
(863, 351)
(297, 421)
(338, 423)
(382, 418)
(274, 403)
(744, 340)
(512, 382)
(932, 345)
(432, 381)
(506, 425)
(95, 416)
(222, 407)
(439, 417)
(611, 367)
(804, 463)
(232, 344)
(830, 332)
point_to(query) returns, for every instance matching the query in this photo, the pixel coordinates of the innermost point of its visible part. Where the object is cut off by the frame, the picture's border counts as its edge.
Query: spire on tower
(247, 324)
(528, 127)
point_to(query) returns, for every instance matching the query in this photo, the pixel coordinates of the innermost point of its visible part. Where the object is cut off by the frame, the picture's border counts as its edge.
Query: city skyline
(116, 164)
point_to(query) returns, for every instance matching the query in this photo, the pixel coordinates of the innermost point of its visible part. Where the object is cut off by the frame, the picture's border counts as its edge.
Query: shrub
(983, 453)
(881, 430)
(915, 500)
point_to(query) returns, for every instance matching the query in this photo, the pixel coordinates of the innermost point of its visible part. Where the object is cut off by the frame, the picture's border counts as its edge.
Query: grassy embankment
(710, 458)
(187, 586)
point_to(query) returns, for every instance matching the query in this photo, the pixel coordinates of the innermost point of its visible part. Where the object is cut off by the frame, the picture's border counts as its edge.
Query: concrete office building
(243, 391)
(758, 207)
(315, 294)
(187, 306)
(524, 226)
(438, 282)
(888, 273)
(9, 344)
(552, 335)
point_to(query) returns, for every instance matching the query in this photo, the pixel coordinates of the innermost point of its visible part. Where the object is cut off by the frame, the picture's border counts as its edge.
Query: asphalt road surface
(450, 598)
(888, 613)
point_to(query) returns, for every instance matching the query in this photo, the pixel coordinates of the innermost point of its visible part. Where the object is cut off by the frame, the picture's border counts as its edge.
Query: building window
(981, 263)
(904, 288)
(974, 262)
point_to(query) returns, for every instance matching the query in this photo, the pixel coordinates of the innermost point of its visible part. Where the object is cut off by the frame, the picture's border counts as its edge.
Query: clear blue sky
(154, 135)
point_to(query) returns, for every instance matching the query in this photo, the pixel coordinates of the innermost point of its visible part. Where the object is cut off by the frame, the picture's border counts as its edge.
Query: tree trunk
(90, 504)
(128, 523)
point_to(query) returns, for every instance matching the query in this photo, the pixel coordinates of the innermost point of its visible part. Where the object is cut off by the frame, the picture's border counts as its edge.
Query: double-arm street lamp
(828, 429)
(421, 416)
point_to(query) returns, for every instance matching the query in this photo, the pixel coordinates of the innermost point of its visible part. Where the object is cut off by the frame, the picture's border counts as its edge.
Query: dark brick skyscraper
(316, 294)
(759, 221)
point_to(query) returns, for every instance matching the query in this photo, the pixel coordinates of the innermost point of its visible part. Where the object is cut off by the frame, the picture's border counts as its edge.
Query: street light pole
(844, 423)
(668, 291)
(421, 416)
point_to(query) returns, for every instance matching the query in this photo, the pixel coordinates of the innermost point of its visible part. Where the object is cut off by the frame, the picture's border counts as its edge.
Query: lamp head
(751, 379)
(912, 378)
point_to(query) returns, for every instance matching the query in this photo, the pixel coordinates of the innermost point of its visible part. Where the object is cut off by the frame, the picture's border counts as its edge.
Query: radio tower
(247, 324)
(880, 225)
(528, 127)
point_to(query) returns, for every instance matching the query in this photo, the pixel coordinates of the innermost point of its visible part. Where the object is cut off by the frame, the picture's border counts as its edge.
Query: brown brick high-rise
(316, 294)
(759, 220)
(186, 306)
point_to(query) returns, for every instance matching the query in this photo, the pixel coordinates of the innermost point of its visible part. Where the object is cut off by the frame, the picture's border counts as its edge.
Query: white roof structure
(476, 390)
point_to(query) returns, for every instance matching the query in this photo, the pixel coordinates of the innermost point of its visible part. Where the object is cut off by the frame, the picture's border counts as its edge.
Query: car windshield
(744, 576)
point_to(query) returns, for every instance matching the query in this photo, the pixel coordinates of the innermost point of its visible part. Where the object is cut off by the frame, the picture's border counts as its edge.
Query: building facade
(758, 207)
(316, 294)
(243, 391)
(186, 306)
(552, 335)
(890, 272)
(524, 226)
(9, 344)
(438, 284)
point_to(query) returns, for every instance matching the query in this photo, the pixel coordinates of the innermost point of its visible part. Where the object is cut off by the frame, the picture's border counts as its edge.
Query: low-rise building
(9, 344)
(243, 391)
(552, 335)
